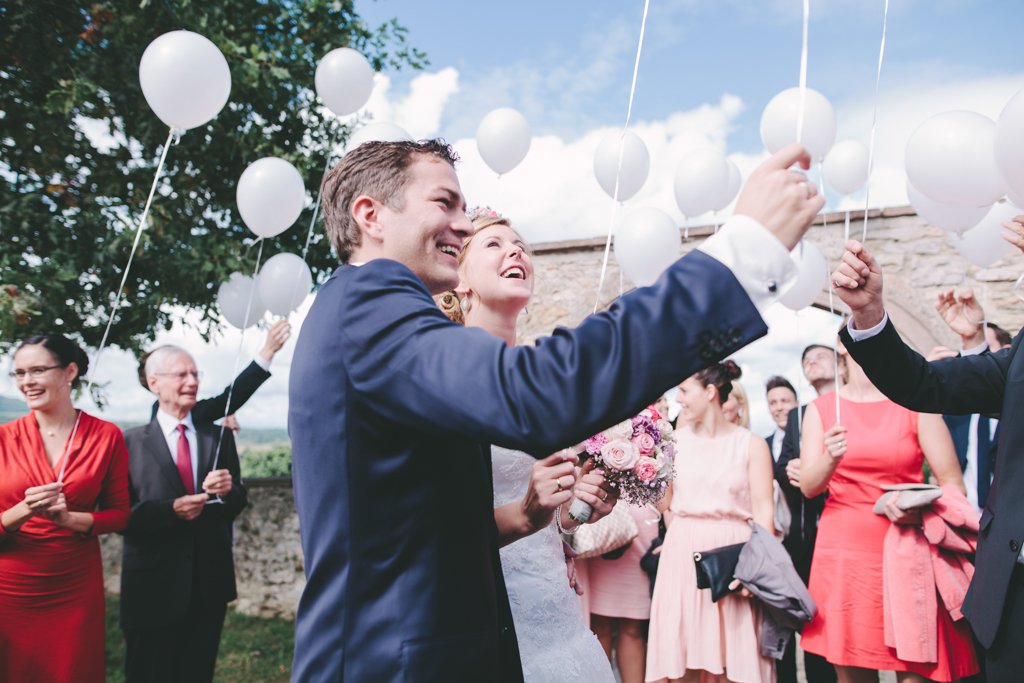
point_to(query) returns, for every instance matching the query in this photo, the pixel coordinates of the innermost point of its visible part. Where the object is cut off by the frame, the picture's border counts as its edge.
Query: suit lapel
(156, 448)
(207, 441)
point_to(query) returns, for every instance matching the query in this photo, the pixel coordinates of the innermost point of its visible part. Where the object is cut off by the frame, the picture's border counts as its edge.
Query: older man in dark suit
(177, 571)
(392, 406)
(991, 384)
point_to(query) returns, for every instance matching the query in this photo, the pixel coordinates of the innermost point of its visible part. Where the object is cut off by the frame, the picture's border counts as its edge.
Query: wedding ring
(811, 189)
(558, 480)
(605, 497)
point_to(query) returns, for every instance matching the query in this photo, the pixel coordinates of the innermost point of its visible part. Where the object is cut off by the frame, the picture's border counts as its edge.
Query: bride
(531, 497)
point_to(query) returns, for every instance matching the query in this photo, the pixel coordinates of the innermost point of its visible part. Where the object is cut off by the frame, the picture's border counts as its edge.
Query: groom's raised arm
(412, 365)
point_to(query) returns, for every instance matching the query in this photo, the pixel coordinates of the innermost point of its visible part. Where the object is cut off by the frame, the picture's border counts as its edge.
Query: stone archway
(917, 260)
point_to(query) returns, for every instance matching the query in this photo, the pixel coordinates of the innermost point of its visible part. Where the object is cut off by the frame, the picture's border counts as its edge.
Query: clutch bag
(606, 535)
(716, 569)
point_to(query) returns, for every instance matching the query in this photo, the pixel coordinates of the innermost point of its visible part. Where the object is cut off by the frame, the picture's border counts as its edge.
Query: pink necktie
(185, 462)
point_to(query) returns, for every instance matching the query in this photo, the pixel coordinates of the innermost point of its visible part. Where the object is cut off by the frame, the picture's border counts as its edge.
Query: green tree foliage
(68, 208)
(275, 461)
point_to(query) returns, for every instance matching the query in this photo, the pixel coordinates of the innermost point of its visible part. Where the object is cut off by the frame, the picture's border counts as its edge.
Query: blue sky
(706, 73)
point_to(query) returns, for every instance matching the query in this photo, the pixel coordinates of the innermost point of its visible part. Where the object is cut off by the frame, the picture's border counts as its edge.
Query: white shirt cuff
(262, 362)
(980, 348)
(860, 335)
(760, 262)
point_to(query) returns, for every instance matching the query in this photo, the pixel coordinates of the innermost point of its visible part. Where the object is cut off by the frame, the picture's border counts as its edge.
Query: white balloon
(646, 243)
(1008, 143)
(846, 166)
(781, 116)
(1015, 199)
(636, 164)
(945, 216)
(812, 273)
(185, 79)
(949, 159)
(344, 80)
(376, 132)
(702, 180)
(503, 138)
(983, 244)
(732, 189)
(284, 282)
(233, 299)
(270, 196)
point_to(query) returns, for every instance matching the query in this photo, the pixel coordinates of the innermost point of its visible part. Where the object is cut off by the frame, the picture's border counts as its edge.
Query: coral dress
(711, 504)
(620, 588)
(846, 572)
(51, 578)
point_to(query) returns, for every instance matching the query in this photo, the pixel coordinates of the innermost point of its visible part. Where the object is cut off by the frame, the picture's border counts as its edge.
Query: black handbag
(716, 569)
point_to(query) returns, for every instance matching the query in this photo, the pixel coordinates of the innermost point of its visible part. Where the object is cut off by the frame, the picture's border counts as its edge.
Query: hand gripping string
(173, 134)
(618, 169)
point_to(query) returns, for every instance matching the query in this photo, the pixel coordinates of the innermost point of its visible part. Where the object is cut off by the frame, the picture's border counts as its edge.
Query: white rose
(665, 427)
(623, 430)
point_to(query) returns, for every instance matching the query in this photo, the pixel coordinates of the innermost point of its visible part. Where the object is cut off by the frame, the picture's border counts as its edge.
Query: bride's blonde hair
(449, 302)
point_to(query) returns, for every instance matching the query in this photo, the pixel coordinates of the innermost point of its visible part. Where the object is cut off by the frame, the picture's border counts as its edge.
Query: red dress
(846, 572)
(52, 609)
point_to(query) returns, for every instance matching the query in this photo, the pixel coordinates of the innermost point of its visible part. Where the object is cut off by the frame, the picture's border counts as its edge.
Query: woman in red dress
(51, 578)
(874, 442)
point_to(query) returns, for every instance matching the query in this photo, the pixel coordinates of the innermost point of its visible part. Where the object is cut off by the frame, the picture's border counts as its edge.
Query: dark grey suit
(177, 576)
(992, 385)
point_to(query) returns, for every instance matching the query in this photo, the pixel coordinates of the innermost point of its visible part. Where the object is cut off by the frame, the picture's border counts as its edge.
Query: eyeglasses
(181, 376)
(34, 373)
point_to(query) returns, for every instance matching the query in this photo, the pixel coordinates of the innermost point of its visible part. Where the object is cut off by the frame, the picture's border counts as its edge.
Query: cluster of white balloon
(648, 239)
(960, 166)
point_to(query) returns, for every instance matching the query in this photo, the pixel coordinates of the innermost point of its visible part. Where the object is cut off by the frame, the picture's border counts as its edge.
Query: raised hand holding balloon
(186, 82)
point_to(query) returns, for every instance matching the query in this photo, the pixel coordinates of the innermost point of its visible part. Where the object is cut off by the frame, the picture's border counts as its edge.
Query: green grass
(252, 650)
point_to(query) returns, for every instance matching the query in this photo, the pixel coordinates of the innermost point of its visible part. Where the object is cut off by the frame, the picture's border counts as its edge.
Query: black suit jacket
(166, 558)
(991, 385)
(391, 411)
(212, 409)
(804, 529)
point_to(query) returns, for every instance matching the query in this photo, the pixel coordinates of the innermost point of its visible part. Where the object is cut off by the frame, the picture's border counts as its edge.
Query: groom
(392, 407)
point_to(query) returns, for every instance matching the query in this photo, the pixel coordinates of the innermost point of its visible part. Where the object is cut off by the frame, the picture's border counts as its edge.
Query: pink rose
(644, 443)
(619, 454)
(646, 469)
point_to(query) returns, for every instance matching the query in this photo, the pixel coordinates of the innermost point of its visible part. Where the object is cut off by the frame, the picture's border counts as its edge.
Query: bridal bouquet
(637, 457)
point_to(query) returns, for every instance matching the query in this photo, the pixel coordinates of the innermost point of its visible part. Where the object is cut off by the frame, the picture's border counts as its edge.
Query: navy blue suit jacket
(391, 411)
(991, 385)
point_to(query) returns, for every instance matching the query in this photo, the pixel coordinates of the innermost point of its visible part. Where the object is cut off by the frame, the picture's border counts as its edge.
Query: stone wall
(917, 260)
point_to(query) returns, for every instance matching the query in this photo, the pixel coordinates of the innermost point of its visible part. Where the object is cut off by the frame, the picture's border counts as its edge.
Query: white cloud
(418, 112)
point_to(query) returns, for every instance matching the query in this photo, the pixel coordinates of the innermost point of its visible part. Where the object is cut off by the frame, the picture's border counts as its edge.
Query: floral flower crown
(482, 212)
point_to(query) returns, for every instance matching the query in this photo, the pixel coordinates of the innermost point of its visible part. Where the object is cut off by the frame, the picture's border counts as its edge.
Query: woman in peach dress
(723, 480)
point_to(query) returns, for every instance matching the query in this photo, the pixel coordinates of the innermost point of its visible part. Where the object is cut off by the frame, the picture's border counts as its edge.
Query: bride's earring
(464, 304)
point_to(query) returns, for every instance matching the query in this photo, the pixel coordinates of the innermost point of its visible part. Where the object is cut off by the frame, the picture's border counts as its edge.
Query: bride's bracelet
(558, 523)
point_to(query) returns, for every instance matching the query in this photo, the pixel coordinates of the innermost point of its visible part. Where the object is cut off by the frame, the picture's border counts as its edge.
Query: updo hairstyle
(63, 350)
(722, 376)
(449, 301)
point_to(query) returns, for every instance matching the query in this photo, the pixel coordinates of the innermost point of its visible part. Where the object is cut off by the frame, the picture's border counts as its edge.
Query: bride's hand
(593, 489)
(570, 567)
(551, 485)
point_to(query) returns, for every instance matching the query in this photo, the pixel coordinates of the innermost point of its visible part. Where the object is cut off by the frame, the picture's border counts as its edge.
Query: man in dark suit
(241, 390)
(392, 406)
(781, 397)
(177, 570)
(819, 366)
(989, 384)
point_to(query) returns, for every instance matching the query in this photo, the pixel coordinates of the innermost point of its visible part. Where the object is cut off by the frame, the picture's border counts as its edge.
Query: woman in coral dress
(723, 480)
(51, 578)
(874, 442)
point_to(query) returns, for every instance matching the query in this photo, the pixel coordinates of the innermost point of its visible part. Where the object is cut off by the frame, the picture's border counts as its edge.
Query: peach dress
(711, 504)
(620, 588)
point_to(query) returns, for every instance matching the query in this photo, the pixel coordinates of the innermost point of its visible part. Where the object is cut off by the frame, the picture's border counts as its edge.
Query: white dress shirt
(169, 426)
(262, 362)
(760, 262)
(779, 435)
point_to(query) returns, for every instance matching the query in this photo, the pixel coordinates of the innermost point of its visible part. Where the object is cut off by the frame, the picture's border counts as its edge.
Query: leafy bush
(275, 461)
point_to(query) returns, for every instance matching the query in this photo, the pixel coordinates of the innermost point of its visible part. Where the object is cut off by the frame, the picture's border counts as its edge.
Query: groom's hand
(782, 200)
(594, 489)
(858, 283)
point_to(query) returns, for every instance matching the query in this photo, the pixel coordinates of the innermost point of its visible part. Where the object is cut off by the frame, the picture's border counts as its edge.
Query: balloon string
(828, 267)
(234, 371)
(135, 245)
(316, 212)
(618, 169)
(874, 121)
(67, 451)
(846, 232)
(803, 76)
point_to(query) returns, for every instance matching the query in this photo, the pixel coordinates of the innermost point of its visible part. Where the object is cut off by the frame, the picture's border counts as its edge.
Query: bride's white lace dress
(554, 644)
